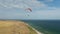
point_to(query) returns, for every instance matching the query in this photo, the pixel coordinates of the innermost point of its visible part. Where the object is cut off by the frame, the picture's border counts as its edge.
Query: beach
(34, 29)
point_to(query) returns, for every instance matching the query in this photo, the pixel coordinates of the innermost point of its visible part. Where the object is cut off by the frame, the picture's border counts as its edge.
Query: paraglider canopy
(29, 9)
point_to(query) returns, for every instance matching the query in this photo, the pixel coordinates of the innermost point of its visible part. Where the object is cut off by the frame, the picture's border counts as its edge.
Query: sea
(45, 26)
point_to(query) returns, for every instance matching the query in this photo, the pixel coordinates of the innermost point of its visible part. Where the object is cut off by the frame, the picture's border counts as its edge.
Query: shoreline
(34, 29)
(37, 31)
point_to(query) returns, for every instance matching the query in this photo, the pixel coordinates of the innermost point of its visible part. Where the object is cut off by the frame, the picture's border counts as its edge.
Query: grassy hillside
(15, 27)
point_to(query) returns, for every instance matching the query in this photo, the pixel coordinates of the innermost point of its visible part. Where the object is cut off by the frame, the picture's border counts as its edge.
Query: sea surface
(45, 26)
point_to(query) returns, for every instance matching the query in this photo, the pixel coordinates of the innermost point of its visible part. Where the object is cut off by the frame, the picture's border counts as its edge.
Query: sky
(41, 9)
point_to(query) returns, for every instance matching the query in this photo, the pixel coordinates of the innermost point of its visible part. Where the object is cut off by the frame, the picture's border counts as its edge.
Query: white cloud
(22, 3)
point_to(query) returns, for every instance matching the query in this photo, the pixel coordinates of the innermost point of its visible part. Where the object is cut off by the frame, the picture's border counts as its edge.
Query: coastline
(16, 26)
(37, 31)
(34, 29)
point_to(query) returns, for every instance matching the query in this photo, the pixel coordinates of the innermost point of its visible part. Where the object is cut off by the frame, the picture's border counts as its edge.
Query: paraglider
(28, 10)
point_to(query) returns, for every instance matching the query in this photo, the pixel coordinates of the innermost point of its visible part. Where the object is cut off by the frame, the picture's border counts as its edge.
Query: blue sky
(41, 9)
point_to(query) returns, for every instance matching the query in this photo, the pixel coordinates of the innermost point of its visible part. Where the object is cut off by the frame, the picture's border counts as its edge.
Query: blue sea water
(45, 26)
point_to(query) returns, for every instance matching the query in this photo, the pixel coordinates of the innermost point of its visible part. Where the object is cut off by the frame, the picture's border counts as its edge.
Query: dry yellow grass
(15, 27)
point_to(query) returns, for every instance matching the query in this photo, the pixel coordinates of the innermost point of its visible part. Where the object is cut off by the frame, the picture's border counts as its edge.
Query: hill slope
(15, 27)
